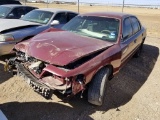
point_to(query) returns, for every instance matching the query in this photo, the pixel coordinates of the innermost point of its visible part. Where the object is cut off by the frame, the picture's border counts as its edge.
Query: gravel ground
(133, 94)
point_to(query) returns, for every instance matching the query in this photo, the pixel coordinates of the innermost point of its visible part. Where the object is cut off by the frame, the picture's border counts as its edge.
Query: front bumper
(37, 86)
(46, 82)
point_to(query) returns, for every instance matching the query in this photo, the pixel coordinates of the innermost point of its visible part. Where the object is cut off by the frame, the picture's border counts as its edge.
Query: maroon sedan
(87, 51)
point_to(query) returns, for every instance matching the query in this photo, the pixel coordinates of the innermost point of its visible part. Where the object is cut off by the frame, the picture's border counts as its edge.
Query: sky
(136, 2)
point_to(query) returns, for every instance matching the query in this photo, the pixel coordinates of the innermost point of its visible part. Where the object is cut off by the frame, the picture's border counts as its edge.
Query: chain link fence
(135, 3)
(127, 3)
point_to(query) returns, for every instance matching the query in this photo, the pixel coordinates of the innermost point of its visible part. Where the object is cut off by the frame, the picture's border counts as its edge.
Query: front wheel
(97, 87)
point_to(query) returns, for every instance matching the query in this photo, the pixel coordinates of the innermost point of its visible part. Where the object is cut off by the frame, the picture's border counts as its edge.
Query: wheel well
(110, 71)
(144, 38)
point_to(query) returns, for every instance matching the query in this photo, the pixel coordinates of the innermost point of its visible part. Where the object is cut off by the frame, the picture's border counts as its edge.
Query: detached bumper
(34, 82)
(44, 85)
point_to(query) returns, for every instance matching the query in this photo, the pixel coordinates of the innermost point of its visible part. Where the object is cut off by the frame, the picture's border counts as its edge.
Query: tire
(139, 51)
(97, 87)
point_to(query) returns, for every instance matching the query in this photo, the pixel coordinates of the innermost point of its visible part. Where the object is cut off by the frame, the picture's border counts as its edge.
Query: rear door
(137, 33)
(131, 37)
(127, 42)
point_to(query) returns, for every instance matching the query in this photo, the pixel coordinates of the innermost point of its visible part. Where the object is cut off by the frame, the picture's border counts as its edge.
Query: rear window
(135, 24)
(127, 28)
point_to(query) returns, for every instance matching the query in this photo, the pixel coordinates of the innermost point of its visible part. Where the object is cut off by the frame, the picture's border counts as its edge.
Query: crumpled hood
(60, 48)
(6, 24)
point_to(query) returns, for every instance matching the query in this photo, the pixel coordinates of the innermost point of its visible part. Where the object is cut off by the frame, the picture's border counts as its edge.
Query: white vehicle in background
(13, 31)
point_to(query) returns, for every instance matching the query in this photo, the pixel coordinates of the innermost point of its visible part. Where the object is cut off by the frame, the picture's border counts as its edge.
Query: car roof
(55, 10)
(16, 5)
(118, 15)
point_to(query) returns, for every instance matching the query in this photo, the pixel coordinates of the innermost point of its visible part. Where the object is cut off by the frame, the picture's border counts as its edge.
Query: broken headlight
(37, 67)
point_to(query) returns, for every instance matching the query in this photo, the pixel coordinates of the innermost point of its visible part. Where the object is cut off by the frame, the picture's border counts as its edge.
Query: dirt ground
(134, 94)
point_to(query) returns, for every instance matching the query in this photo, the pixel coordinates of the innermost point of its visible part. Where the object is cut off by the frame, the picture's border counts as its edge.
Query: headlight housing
(6, 37)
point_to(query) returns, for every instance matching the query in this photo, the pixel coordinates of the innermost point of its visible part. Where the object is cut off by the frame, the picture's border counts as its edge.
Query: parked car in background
(13, 31)
(14, 11)
(2, 2)
(87, 52)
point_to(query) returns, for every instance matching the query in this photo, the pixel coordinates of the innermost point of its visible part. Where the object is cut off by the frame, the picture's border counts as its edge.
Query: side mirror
(121, 37)
(10, 15)
(22, 16)
(55, 22)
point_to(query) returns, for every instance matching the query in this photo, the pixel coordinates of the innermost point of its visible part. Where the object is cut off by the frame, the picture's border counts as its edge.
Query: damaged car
(85, 54)
(13, 31)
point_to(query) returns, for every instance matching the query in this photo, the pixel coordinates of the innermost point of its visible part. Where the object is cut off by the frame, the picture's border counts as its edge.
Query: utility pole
(24, 1)
(123, 6)
(78, 6)
(47, 3)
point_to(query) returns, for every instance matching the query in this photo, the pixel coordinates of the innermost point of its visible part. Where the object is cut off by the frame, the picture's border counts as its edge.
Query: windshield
(4, 11)
(96, 27)
(38, 16)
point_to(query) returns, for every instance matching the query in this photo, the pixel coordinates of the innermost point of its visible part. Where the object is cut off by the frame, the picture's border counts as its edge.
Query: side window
(127, 28)
(135, 24)
(71, 15)
(61, 17)
(20, 12)
(28, 9)
(17, 13)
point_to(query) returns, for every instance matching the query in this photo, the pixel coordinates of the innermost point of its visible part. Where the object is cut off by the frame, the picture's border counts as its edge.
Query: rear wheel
(139, 51)
(97, 87)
